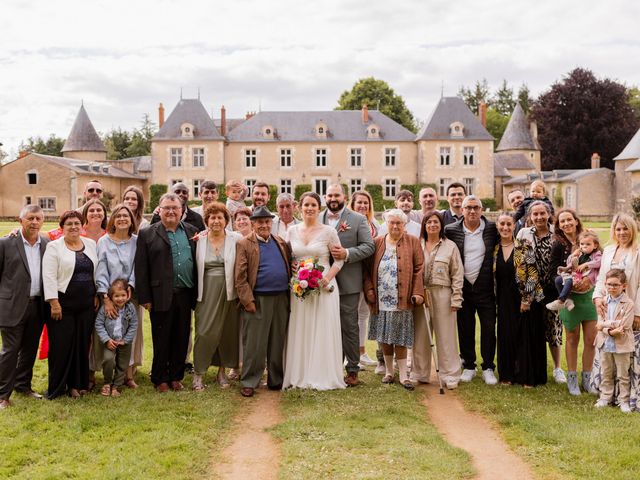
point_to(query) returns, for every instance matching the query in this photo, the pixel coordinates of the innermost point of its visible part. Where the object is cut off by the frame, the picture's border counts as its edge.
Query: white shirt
(474, 251)
(280, 228)
(412, 228)
(34, 260)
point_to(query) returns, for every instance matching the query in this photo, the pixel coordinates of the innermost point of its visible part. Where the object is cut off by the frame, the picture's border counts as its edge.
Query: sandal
(115, 392)
(131, 383)
(408, 385)
(74, 393)
(387, 379)
(197, 384)
(105, 391)
(223, 380)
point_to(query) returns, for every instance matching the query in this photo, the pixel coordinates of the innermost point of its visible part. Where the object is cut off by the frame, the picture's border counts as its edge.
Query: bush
(489, 204)
(155, 192)
(273, 196)
(635, 206)
(301, 188)
(379, 203)
(444, 205)
(415, 189)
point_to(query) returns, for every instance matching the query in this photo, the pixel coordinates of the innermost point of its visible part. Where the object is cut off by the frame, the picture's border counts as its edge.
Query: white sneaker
(380, 369)
(555, 305)
(452, 384)
(601, 403)
(365, 360)
(488, 377)
(467, 375)
(559, 376)
(361, 367)
(625, 408)
(569, 304)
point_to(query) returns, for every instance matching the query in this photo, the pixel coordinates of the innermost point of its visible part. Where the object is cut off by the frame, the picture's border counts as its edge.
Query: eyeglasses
(181, 191)
(613, 285)
(94, 190)
(171, 209)
(473, 207)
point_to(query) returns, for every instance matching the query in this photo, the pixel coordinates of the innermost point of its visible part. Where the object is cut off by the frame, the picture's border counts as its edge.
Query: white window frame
(175, 157)
(443, 183)
(568, 196)
(356, 157)
(469, 185)
(390, 155)
(323, 190)
(250, 158)
(444, 156)
(469, 156)
(320, 158)
(355, 184)
(198, 159)
(389, 189)
(286, 185)
(47, 202)
(196, 186)
(249, 182)
(286, 157)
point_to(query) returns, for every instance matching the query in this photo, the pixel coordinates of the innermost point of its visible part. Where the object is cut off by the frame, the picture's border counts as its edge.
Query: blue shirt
(115, 260)
(272, 276)
(182, 258)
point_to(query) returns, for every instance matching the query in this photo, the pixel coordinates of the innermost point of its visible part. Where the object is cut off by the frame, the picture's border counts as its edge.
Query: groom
(356, 245)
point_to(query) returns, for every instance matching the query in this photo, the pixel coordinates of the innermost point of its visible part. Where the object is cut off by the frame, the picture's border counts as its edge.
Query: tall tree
(503, 101)
(581, 115)
(117, 141)
(50, 146)
(496, 124)
(634, 99)
(524, 97)
(474, 97)
(377, 95)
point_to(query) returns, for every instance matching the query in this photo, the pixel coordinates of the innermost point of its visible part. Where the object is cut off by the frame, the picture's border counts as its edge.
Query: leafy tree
(496, 124)
(141, 138)
(524, 98)
(378, 95)
(51, 146)
(117, 141)
(503, 102)
(580, 115)
(634, 99)
(473, 98)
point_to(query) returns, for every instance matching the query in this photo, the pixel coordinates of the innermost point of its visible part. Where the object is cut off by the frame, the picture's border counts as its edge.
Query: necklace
(503, 245)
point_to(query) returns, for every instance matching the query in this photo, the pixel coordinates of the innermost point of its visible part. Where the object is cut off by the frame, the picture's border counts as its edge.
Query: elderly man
(208, 194)
(404, 201)
(428, 199)
(262, 273)
(166, 279)
(22, 309)
(455, 194)
(356, 244)
(286, 205)
(515, 198)
(188, 215)
(476, 237)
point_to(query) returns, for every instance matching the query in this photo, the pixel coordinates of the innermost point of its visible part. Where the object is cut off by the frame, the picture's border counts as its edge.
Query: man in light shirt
(404, 201)
(286, 206)
(476, 238)
(428, 199)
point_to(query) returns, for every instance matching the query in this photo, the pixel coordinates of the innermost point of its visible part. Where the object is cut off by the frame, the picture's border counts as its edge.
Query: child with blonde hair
(236, 192)
(537, 191)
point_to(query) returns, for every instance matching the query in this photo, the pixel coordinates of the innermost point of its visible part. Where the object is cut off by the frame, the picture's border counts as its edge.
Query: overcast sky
(124, 57)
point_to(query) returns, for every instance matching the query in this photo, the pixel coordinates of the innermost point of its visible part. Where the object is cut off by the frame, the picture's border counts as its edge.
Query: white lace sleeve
(334, 241)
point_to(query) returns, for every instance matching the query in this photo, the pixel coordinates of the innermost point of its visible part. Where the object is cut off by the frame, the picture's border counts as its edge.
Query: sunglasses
(181, 191)
(94, 190)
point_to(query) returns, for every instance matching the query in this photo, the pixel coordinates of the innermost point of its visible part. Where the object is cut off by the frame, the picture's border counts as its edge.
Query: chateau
(352, 147)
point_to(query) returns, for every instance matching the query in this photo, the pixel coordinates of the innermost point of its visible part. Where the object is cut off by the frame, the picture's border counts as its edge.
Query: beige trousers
(444, 329)
(615, 365)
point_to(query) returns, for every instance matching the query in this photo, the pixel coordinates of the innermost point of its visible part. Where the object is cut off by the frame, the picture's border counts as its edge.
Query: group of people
(298, 297)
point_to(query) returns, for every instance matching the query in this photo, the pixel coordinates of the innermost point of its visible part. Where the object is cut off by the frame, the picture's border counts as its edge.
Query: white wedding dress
(313, 355)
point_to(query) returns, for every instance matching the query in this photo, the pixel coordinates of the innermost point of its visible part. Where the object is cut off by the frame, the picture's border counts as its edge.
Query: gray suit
(356, 238)
(21, 317)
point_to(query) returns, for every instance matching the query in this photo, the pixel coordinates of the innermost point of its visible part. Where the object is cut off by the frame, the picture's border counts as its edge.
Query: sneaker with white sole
(467, 375)
(489, 377)
(559, 376)
(380, 369)
(568, 303)
(601, 403)
(625, 408)
(555, 305)
(452, 384)
(365, 360)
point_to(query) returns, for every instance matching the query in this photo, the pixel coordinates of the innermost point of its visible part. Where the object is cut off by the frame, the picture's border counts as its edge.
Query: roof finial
(442, 89)
(198, 93)
(82, 102)
(180, 93)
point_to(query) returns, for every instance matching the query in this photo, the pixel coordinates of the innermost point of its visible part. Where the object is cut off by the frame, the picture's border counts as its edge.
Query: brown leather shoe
(246, 392)
(162, 388)
(31, 394)
(177, 386)
(4, 404)
(351, 379)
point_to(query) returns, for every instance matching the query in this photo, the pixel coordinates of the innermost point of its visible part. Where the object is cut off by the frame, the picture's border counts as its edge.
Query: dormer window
(268, 131)
(373, 131)
(187, 130)
(456, 129)
(321, 130)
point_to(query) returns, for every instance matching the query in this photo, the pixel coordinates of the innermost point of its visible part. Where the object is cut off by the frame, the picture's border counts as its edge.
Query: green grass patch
(371, 431)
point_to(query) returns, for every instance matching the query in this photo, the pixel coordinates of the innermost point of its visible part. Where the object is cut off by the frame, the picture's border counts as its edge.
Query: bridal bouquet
(306, 280)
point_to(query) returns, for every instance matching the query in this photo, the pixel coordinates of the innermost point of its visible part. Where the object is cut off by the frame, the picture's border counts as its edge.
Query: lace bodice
(318, 245)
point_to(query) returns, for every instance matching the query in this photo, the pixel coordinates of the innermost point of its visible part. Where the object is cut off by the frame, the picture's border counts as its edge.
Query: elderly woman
(393, 285)
(242, 221)
(362, 203)
(216, 325)
(134, 199)
(68, 268)
(622, 253)
(567, 229)
(443, 280)
(536, 243)
(116, 253)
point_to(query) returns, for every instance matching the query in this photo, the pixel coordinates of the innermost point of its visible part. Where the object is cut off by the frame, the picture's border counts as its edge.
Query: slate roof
(342, 125)
(517, 161)
(141, 164)
(517, 135)
(634, 167)
(449, 110)
(632, 150)
(83, 137)
(189, 110)
(97, 169)
(558, 175)
(499, 169)
(231, 123)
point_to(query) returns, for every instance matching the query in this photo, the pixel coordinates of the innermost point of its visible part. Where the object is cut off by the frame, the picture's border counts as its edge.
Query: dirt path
(254, 453)
(469, 431)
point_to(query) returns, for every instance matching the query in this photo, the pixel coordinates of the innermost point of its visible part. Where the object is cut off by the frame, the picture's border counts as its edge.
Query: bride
(313, 356)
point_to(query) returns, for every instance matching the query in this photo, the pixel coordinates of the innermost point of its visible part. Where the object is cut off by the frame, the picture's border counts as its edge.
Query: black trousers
(477, 300)
(69, 340)
(19, 349)
(170, 335)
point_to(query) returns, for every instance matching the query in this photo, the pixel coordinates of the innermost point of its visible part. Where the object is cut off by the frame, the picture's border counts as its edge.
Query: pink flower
(316, 274)
(313, 282)
(303, 284)
(303, 274)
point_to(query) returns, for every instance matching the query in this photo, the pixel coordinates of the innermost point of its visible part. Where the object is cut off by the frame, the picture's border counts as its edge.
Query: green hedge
(379, 203)
(273, 196)
(155, 192)
(489, 203)
(301, 188)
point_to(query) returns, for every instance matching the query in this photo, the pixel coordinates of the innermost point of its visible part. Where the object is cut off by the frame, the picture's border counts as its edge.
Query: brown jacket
(247, 261)
(410, 272)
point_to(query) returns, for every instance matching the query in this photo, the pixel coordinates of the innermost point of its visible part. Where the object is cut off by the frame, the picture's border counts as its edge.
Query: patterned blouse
(527, 271)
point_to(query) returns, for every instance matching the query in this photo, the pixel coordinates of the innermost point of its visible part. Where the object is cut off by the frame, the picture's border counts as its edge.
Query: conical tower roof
(632, 150)
(517, 135)
(83, 137)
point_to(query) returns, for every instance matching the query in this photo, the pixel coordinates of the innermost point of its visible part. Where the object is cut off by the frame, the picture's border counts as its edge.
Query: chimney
(223, 121)
(249, 115)
(533, 128)
(160, 116)
(482, 114)
(365, 114)
(23, 153)
(595, 161)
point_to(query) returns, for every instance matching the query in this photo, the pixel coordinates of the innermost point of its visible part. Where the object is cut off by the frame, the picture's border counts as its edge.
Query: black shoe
(274, 387)
(188, 368)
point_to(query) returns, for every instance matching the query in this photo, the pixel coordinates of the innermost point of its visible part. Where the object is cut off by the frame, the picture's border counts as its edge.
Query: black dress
(508, 300)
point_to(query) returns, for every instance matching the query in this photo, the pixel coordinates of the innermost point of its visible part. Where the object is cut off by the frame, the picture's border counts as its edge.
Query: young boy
(117, 335)
(615, 340)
